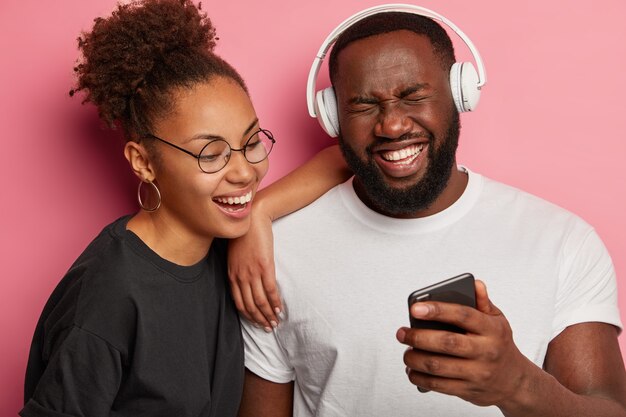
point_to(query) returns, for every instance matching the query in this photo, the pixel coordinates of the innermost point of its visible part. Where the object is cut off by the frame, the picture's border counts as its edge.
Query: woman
(143, 323)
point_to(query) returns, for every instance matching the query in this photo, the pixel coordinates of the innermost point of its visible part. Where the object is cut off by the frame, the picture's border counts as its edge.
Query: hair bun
(123, 52)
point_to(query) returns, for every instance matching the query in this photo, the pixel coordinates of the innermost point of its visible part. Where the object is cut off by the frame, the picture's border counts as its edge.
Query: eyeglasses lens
(258, 147)
(216, 154)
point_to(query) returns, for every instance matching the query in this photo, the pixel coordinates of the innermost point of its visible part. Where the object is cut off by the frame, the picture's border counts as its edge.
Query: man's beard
(406, 201)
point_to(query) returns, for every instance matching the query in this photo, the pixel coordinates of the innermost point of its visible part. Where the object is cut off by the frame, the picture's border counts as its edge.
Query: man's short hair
(390, 22)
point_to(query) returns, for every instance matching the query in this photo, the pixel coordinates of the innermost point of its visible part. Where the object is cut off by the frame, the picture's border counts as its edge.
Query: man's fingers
(465, 317)
(426, 382)
(438, 365)
(483, 303)
(439, 341)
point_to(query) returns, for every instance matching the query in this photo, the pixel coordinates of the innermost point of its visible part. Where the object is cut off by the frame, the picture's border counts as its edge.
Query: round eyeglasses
(215, 155)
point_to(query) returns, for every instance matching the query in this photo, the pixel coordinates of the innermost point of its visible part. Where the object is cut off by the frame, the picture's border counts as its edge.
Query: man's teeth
(407, 152)
(235, 200)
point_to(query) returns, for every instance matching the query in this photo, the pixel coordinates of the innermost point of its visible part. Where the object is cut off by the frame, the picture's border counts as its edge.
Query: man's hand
(482, 366)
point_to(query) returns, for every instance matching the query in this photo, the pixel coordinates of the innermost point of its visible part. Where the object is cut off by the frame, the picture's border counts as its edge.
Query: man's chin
(400, 184)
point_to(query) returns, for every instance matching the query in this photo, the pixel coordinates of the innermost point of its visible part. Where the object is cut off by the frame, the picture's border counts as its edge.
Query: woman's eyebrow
(252, 125)
(211, 136)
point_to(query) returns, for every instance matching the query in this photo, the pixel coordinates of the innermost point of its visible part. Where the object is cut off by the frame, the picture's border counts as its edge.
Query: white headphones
(465, 82)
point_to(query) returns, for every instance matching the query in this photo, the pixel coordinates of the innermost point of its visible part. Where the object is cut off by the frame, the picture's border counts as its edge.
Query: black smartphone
(458, 290)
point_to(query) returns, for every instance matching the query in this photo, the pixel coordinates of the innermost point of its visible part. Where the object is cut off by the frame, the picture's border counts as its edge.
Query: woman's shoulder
(93, 291)
(105, 258)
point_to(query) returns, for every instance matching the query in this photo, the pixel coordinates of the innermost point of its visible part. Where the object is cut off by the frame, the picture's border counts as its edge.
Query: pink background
(551, 121)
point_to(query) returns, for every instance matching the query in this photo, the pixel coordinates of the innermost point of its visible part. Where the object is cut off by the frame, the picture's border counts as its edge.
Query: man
(411, 217)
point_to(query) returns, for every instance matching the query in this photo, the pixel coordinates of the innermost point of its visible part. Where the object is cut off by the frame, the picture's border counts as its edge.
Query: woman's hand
(251, 257)
(252, 275)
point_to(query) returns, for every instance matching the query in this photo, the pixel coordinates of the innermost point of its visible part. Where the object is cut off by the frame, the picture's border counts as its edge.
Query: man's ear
(138, 158)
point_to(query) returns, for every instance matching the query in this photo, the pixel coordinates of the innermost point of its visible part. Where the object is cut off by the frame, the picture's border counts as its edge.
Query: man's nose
(393, 121)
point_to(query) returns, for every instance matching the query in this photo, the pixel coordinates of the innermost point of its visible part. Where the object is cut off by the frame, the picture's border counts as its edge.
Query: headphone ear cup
(464, 86)
(326, 111)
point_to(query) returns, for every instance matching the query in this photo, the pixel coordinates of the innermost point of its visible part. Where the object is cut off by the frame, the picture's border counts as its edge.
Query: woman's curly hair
(134, 59)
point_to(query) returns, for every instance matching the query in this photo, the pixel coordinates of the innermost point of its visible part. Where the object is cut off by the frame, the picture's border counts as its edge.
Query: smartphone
(457, 290)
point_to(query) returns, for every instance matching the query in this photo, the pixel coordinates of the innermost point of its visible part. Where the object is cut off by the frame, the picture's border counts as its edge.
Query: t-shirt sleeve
(587, 284)
(82, 378)
(264, 354)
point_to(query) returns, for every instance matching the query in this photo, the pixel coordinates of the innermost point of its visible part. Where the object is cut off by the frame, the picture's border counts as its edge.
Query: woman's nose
(239, 169)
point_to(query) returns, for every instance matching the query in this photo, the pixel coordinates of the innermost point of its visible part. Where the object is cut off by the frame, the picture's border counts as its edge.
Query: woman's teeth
(235, 200)
(409, 151)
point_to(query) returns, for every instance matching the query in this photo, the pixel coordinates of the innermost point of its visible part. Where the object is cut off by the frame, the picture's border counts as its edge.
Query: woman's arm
(251, 257)
(305, 184)
(81, 377)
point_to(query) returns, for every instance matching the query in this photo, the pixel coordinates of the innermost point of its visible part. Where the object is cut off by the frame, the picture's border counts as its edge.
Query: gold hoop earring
(158, 193)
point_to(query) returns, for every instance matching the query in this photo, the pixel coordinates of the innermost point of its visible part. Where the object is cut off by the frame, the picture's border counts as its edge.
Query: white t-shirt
(345, 273)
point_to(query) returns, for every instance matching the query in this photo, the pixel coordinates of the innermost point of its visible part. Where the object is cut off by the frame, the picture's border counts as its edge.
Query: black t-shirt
(127, 333)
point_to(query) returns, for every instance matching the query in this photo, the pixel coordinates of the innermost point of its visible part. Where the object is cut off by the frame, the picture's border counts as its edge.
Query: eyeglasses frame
(242, 150)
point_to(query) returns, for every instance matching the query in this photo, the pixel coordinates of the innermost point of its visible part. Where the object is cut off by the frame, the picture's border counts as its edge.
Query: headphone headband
(405, 8)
